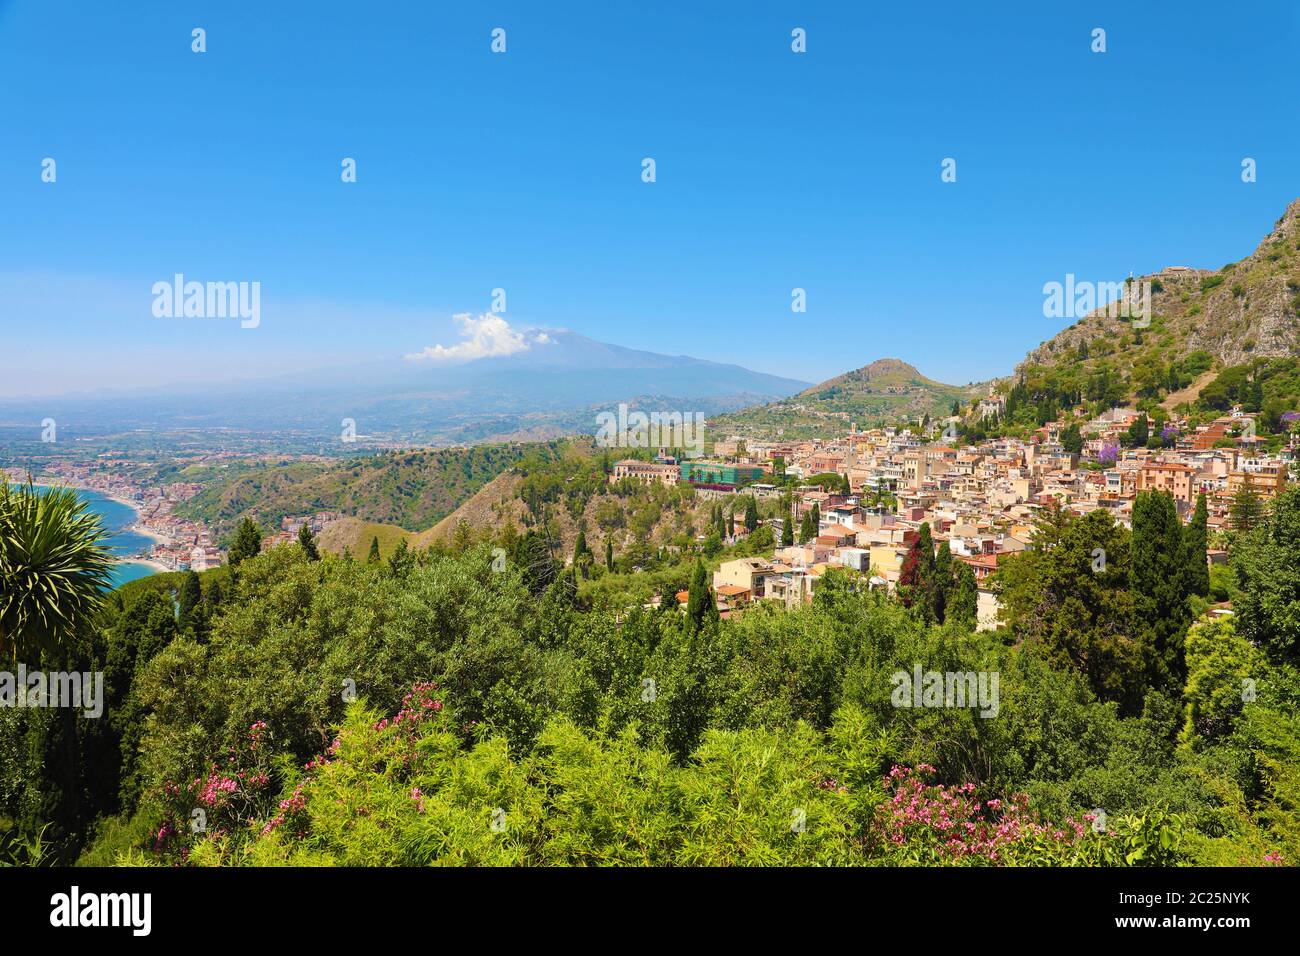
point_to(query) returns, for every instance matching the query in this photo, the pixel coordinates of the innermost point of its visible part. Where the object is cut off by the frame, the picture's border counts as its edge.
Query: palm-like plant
(54, 569)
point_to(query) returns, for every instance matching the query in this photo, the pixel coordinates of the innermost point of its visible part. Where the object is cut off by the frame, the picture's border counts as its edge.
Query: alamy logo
(655, 430)
(133, 910)
(1076, 299)
(36, 689)
(946, 689)
(179, 299)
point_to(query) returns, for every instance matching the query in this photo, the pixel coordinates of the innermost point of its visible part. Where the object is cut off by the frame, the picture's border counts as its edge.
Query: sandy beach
(156, 565)
(136, 526)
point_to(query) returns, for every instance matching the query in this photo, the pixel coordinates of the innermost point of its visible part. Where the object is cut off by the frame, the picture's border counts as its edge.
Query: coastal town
(176, 543)
(981, 500)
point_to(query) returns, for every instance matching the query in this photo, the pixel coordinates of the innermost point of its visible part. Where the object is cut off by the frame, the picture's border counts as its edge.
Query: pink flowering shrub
(384, 748)
(922, 823)
(410, 790)
(418, 705)
(234, 791)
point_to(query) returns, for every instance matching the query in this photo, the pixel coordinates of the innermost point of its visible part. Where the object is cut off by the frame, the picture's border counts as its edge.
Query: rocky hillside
(1244, 311)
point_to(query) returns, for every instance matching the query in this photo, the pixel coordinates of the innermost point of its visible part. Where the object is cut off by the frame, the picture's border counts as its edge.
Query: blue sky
(522, 171)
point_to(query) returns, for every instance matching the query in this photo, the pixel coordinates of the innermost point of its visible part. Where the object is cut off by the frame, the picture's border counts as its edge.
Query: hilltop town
(870, 492)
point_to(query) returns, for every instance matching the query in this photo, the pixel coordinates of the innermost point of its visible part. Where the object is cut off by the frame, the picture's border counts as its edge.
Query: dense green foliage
(1269, 575)
(455, 708)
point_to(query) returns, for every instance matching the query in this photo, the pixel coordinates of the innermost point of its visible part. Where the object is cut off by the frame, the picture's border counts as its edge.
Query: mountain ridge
(546, 389)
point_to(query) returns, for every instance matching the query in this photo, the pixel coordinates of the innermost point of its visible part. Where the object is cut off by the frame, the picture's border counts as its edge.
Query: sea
(117, 518)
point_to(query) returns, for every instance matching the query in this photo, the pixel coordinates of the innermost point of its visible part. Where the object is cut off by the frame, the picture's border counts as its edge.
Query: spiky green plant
(54, 569)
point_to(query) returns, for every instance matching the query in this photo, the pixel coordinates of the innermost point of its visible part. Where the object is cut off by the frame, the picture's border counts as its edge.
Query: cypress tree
(534, 558)
(1072, 440)
(1197, 536)
(212, 598)
(700, 606)
(247, 543)
(462, 538)
(1247, 511)
(373, 556)
(1139, 432)
(942, 583)
(807, 530)
(787, 529)
(400, 561)
(307, 542)
(751, 514)
(1157, 583)
(609, 554)
(963, 602)
(188, 601)
(581, 554)
(927, 581)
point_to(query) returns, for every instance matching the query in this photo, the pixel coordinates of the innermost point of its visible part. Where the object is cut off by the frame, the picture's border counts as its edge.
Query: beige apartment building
(646, 472)
(1175, 478)
(1268, 480)
(746, 574)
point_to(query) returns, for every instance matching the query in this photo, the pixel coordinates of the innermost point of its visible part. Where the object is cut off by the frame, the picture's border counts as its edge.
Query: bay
(117, 518)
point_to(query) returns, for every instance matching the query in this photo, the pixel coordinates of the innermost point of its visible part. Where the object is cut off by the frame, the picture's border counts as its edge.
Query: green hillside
(410, 489)
(886, 391)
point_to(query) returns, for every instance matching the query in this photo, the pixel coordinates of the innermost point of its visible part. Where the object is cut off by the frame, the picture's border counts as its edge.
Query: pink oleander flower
(950, 819)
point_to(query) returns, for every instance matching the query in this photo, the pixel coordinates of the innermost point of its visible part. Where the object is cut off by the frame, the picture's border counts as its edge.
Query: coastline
(135, 527)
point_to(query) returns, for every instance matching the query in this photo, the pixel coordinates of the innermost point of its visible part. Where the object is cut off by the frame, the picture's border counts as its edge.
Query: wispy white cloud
(488, 336)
